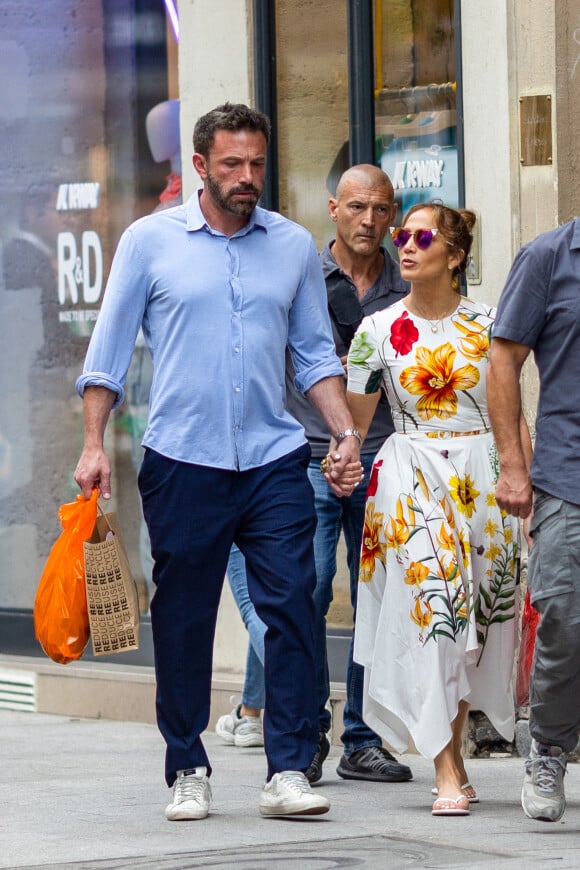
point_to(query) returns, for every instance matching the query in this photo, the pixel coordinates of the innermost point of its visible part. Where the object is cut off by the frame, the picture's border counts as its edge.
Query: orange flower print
(434, 379)
(421, 617)
(449, 572)
(446, 538)
(475, 345)
(448, 511)
(463, 492)
(373, 549)
(397, 530)
(415, 574)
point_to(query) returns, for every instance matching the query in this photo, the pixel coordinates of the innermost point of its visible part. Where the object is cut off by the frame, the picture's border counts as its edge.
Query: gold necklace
(435, 322)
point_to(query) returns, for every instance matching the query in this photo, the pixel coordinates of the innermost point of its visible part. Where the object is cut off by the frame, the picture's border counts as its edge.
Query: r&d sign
(80, 267)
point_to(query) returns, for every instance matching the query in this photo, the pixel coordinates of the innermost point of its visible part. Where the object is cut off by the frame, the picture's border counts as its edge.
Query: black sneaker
(314, 772)
(375, 764)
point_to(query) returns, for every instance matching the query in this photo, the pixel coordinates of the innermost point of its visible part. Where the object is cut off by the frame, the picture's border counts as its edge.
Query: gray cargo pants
(554, 581)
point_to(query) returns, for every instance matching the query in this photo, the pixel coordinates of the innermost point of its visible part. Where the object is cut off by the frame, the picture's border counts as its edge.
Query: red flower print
(404, 334)
(374, 480)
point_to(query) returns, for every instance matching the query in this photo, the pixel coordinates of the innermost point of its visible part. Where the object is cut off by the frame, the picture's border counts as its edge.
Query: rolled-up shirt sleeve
(113, 339)
(310, 339)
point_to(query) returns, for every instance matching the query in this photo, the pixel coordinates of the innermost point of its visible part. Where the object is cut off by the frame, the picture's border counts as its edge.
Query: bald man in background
(361, 278)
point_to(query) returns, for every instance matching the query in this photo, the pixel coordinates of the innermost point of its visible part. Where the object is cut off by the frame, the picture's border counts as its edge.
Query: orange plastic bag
(61, 620)
(530, 620)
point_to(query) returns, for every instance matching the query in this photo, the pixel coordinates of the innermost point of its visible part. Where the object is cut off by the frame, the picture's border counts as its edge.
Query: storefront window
(79, 79)
(312, 108)
(415, 99)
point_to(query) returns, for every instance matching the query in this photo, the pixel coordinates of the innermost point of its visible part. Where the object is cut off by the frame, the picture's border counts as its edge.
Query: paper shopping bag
(112, 599)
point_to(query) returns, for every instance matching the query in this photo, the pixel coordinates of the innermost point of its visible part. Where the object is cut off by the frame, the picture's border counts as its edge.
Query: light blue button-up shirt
(216, 313)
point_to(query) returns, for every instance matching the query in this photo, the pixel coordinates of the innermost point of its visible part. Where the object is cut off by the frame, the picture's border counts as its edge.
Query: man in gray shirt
(539, 310)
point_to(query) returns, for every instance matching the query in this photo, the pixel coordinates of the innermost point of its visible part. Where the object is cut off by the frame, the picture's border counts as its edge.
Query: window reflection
(415, 99)
(78, 81)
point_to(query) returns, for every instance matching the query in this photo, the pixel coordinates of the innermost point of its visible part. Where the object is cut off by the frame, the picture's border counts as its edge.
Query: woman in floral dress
(437, 603)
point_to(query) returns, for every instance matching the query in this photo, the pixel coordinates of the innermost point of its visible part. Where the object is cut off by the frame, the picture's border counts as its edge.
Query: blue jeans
(253, 693)
(194, 514)
(333, 516)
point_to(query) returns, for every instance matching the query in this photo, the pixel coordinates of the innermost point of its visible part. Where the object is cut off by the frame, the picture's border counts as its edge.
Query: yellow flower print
(449, 572)
(462, 606)
(491, 528)
(373, 548)
(465, 548)
(434, 379)
(411, 509)
(508, 535)
(463, 493)
(493, 552)
(398, 529)
(421, 617)
(415, 574)
(422, 483)
(490, 499)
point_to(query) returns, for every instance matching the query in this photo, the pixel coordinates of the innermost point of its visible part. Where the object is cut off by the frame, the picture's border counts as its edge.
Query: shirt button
(237, 350)
(237, 389)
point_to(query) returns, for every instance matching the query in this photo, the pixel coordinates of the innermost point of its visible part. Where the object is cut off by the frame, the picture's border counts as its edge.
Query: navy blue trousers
(194, 514)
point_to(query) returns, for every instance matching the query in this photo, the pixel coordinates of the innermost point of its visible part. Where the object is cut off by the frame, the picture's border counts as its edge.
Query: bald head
(366, 175)
(362, 210)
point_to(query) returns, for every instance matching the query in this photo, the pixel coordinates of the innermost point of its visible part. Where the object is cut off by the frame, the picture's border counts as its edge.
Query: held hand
(513, 493)
(342, 473)
(94, 470)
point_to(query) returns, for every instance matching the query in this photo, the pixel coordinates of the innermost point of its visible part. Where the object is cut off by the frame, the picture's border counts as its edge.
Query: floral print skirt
(437, 604)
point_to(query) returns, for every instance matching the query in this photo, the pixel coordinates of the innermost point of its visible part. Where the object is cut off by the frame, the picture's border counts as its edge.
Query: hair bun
(469, 217)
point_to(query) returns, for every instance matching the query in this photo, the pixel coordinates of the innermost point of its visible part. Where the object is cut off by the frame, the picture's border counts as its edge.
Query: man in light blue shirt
(220, 287)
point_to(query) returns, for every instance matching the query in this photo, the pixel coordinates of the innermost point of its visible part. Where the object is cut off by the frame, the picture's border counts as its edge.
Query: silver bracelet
(345, 433)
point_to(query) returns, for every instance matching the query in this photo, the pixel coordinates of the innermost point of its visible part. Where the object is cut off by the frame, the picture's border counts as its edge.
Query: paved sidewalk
(85, 793)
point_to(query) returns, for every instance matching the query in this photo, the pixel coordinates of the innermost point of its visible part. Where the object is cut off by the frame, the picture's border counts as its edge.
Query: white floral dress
(437, 596)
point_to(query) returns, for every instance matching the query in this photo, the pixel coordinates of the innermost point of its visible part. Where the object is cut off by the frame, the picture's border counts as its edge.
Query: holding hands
(343, 474)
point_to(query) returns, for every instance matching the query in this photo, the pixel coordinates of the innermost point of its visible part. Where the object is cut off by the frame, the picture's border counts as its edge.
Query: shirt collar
(196, 220)
(389, 278)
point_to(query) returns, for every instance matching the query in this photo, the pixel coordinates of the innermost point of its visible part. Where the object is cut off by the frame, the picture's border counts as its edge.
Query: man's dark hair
(229, 116)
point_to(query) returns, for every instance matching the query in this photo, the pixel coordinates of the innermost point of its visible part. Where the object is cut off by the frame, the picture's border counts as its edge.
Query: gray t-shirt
(346, 312)
(540, 308)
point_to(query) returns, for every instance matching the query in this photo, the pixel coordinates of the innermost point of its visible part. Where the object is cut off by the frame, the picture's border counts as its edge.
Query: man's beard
(225, 199)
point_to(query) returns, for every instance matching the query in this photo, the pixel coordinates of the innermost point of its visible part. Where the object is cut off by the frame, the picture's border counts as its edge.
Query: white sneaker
(289, 794)
(191, 795)
(543, 795)
(236, 730)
